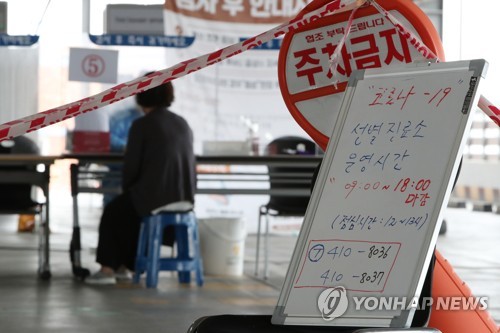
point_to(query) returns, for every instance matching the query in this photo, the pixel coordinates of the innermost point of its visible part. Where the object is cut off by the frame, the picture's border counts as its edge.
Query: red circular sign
(373, 41)
(93, 65)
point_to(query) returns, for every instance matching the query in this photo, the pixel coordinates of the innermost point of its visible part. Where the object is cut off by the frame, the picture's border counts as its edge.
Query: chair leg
(182, 239)
(41, 242)
(257, 246)
(266, 249)
(154, 247)
(199, 272)
(44, 246)
(197, 253)
(141, 257)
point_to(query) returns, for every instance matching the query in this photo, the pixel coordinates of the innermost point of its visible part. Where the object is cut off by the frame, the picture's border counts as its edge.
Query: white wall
(470, 31)
(18, 83)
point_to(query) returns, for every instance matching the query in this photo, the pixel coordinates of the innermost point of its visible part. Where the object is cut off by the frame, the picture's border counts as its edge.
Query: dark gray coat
(159, 165)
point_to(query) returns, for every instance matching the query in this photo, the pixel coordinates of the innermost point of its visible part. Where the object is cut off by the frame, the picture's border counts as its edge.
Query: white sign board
(218, 99)
(92, 65)
(373, 219)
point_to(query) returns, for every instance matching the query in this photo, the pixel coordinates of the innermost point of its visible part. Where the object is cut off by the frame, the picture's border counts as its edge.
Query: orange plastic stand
(447, 283)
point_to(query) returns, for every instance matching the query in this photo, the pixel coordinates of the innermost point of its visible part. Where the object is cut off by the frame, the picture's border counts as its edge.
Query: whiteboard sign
(374, 216)
(93, 65)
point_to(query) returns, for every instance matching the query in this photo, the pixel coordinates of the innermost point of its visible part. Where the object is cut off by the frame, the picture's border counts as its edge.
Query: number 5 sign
(92, 65)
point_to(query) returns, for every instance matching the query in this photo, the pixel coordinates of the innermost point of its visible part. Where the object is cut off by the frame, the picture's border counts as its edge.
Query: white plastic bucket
(222, 242)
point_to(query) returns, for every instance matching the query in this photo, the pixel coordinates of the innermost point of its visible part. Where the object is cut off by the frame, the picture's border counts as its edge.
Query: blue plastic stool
(150, 241)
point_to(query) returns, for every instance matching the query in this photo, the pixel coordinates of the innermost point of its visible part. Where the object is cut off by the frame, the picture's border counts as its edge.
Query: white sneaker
(100, 278)
(123, 274)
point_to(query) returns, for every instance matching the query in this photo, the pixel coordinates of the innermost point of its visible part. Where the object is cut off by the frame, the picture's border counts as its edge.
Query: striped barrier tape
(37, 121)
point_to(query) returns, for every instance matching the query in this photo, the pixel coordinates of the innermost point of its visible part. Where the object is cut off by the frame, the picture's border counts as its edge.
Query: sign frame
(295, 297)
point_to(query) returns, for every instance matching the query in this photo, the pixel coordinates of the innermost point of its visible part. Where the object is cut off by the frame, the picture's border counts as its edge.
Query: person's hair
(161, 96)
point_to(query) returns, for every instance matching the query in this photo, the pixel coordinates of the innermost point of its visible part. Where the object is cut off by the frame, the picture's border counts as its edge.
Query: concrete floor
(67, 305)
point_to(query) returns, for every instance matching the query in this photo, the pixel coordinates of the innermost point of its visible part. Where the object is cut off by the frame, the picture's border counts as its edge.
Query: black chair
(283, 179)
(16, 192)
(16, 197)
(262, 324)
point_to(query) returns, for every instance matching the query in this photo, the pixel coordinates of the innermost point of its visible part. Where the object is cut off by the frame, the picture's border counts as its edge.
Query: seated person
(158, 170)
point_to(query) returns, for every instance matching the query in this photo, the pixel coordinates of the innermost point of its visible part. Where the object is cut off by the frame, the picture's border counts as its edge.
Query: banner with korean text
(225, 100)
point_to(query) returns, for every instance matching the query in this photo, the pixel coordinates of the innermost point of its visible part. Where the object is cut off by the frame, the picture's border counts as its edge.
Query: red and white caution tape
(335, 58)
(34, 122)
(489, 109)
(412, 38)
(39, 120)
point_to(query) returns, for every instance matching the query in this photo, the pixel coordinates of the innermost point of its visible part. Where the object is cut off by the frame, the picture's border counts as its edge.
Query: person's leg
(109, 230)
(118, 232)
(129, 237)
